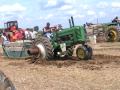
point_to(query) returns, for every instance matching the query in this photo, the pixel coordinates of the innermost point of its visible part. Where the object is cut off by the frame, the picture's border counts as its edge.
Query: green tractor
(110, 31)
(62, 44)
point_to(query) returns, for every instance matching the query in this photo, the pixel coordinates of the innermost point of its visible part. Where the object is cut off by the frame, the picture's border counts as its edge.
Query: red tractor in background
(8, 24)
(18, 44)
(12, 31)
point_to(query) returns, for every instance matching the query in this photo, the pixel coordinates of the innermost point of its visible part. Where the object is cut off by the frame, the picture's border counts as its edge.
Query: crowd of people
(14, 34)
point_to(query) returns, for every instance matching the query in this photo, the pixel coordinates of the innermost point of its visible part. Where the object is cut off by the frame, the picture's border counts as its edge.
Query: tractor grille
(65, 38)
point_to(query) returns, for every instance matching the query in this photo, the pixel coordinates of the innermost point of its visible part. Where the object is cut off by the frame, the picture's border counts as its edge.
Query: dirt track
(101, 73)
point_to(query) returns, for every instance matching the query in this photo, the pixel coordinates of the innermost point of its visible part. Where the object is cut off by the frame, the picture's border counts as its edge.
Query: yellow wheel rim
(80, 53)
(114, 35)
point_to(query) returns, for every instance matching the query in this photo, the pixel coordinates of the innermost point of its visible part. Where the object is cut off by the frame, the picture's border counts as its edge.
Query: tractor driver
(13, 28)
(116, 19)
(47, 30)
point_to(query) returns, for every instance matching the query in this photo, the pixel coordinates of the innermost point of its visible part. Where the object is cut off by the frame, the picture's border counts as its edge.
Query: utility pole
(97, 21)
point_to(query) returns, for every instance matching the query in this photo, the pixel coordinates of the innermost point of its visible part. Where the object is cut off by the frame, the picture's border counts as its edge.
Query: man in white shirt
(4, 39)
(27, 34)
(34, 34)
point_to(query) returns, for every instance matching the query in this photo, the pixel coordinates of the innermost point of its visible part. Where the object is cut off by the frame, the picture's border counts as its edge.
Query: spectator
(33, 34)
(27, 34)
(4, 39)
(59, 27)
(22, 34)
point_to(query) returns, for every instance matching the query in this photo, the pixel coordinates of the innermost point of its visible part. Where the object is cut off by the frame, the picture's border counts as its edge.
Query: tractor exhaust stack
(72, 20)
(70, 23)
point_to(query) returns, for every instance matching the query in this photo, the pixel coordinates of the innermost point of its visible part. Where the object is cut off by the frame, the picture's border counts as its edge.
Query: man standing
(33, 34)
(4, 39)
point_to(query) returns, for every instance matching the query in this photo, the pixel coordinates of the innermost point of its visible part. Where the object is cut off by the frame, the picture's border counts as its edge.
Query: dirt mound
(95, 64)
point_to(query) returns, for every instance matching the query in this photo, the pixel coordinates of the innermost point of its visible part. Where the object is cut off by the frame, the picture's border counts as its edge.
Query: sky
(30, 13)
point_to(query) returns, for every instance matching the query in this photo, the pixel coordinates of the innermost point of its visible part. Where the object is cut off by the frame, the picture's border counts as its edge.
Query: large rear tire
(112, 34)
(5, 83)
(46, 46)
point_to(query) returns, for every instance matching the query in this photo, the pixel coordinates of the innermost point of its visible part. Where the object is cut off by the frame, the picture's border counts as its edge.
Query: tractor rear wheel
(112, 34)
(5, 83)
(82, 53)
(44, 44)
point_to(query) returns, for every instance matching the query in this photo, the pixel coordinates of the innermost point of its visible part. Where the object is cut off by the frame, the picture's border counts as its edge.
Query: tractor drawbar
(33, 51)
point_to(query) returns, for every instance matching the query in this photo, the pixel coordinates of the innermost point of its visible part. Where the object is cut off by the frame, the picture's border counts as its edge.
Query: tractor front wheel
(82, 53)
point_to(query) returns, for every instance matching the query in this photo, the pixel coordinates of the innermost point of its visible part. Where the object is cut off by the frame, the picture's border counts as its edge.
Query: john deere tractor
(62, 44)
(109, 31)
(112, 31)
